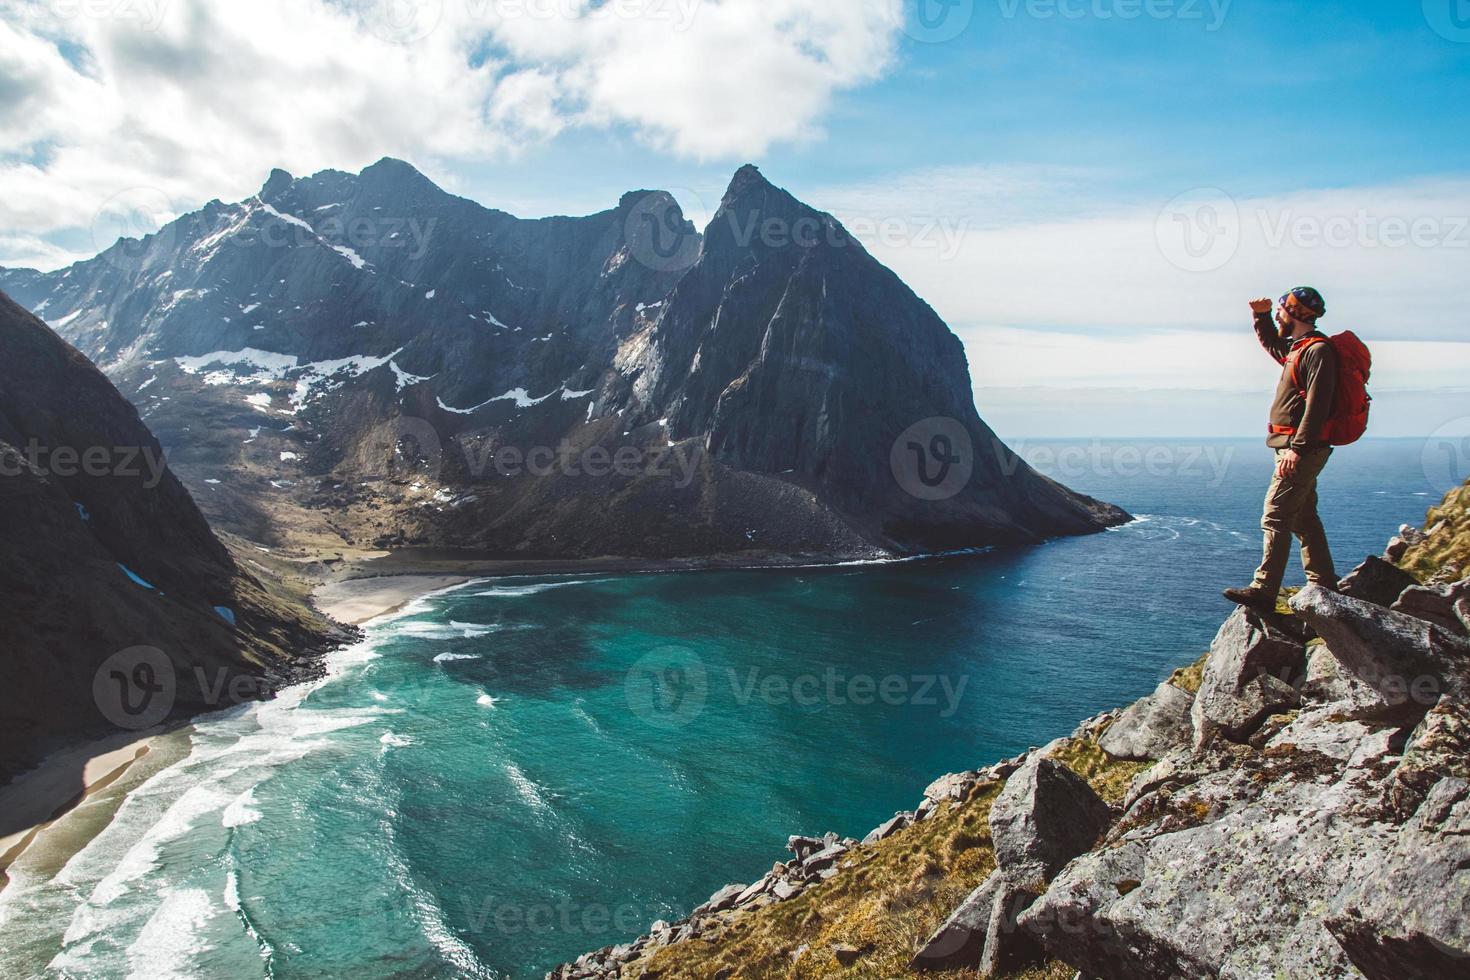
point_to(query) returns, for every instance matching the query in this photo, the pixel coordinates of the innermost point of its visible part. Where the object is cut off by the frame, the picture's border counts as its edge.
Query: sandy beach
(60, 783)
(356, 601)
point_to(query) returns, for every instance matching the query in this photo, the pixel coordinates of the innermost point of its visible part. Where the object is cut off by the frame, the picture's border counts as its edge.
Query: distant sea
(518, 771)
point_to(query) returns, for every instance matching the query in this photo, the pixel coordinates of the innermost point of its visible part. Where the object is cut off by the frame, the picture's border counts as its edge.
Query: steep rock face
(367, 358)
(111, 576)
(789, 349)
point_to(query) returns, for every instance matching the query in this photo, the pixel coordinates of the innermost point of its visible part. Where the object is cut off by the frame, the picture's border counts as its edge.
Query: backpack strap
(1296, 357)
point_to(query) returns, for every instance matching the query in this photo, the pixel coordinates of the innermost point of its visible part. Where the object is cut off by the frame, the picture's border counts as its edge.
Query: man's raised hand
(1259, 306)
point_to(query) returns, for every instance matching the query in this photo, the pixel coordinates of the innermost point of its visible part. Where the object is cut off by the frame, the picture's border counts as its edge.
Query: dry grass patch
(1108, 777)
(1192, 677)
(886, 904)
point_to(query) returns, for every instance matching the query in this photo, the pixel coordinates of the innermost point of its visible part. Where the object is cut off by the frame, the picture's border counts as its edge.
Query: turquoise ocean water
(517, 771)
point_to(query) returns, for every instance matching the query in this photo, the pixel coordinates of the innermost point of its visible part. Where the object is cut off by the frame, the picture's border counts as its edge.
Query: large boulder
(1444, 605)
(1407, 660)
(960, 939)
(1045, 816)
(1252, 672)
(1411, 916)
(1229, 867)
(983, 933)
(1377, 581)
(1151, 726)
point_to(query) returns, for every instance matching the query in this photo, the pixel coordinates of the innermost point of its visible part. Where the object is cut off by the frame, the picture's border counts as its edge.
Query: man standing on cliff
(1304, 401)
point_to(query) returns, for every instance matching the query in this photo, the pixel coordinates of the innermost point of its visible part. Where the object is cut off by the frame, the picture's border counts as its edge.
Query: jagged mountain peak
(279, 340)
(277, 183)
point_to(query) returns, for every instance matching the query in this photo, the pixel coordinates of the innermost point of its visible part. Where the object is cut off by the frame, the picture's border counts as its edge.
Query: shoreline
(50, 791)
(383, 586)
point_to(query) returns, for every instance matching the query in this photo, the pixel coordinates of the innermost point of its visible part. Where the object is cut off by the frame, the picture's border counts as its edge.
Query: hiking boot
(1252, 598)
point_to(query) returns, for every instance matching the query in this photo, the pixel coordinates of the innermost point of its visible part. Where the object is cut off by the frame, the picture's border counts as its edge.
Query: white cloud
(1390, 259)
(190, 101)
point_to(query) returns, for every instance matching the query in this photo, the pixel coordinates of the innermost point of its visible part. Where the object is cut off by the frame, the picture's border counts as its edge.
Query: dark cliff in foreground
(365, 360)
(121, 608)
(1295, 804)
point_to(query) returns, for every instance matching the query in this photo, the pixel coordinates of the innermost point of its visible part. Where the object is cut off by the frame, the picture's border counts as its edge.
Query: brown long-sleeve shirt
(1316, 375)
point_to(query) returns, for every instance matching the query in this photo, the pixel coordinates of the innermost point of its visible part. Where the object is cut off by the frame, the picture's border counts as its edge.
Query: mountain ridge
(109, 568)
(321, 328)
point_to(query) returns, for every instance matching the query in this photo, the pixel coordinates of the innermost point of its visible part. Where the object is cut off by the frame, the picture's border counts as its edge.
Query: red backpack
(1349, 420)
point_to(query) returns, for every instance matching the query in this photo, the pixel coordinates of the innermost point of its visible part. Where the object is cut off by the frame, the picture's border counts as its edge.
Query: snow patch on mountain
(406, 380)
(358, 262)
(324, 376)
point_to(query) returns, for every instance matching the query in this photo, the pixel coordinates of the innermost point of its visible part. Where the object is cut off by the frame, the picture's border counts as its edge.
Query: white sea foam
(517, 591)
(242, 811)
(445, 658)
(441, 631)
(170, 945)
(534, 795)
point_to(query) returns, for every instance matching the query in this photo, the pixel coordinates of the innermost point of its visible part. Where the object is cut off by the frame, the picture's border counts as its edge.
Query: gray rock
(960, 939)
(1152, 726)
(888, 828)
(1377, 581)
(723, 899)
(785, 889)
(1222, 876)
(983, 933)
(1251, 673)
(1438, 747)
(1411, 916)
(753, 891)
(1408, 661)
(804, 847)
(1328, 683)
(823, 859)
(954, 786)
(1444, 605)
(1008, 947)
(1045, 816)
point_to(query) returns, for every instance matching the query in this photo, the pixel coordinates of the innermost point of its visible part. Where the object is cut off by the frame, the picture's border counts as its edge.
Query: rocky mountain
(122, 609)
(367, 360)
(1295, 804)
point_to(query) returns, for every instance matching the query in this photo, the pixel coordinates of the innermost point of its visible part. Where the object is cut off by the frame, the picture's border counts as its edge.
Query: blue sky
(1087, 190)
